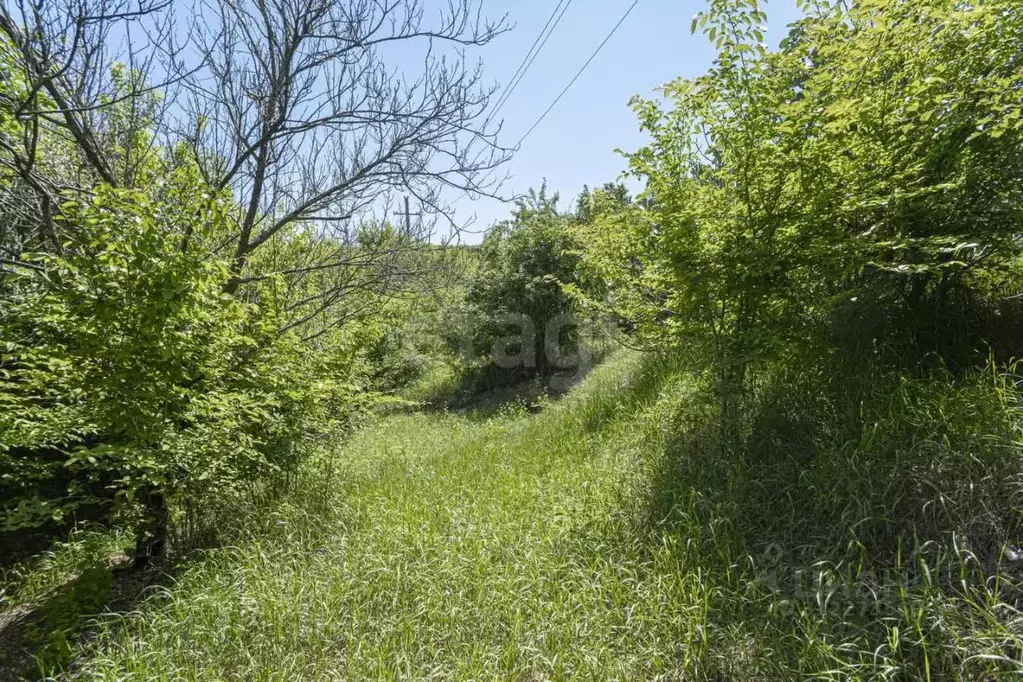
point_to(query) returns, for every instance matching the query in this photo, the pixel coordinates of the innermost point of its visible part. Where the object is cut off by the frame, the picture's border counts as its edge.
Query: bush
(519, 288)
(132, 386)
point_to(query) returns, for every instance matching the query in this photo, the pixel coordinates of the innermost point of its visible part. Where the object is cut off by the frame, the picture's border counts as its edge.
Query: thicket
(858, 189)
(523, 309)
(516, 296)
(133, 385)
(829, 236)
(196, 283)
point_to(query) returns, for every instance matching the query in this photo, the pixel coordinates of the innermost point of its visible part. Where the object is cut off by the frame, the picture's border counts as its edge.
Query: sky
(575, 145)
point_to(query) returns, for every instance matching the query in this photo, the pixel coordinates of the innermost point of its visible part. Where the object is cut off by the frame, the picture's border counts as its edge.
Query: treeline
(829, 236)
(864, 179)
(193, 287)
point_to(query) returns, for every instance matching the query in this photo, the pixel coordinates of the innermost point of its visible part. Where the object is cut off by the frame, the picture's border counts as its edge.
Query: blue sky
(575, 144)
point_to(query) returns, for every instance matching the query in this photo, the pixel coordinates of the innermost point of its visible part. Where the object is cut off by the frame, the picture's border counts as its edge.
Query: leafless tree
(301, 112)
(313, 115)
(65, 65)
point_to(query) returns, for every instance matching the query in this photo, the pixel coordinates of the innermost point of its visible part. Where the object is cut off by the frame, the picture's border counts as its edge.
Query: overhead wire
(579, 73)
(527, 61)
(524, 65)
(532, 54)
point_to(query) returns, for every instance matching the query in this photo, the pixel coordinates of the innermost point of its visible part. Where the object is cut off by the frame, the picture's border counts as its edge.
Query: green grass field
(556, 545)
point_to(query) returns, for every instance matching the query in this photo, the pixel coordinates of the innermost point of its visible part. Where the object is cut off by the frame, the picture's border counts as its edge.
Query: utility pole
(408, 216)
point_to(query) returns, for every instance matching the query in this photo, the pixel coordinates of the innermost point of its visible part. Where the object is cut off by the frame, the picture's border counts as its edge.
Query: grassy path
(453, 549)
(563, 545)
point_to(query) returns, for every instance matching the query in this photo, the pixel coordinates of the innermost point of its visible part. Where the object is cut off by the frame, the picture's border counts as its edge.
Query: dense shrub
(869, 166)
(517, 296)
(132, 386)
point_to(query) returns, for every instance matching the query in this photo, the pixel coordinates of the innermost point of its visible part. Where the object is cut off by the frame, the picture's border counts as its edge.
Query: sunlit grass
(575, 543)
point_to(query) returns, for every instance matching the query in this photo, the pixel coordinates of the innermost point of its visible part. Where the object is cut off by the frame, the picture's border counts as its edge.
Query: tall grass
(612, 537)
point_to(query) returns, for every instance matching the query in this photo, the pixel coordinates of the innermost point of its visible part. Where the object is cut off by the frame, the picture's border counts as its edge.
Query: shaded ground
(74, 585)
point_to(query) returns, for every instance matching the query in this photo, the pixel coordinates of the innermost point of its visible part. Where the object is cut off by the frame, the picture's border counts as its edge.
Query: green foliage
(394, 360)
(525, 264)
(875, 154)
(126, 369)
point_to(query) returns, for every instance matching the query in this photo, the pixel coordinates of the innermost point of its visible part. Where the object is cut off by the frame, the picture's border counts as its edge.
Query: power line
(531, 56)
(500, 101)
(574, 78)
(580, 72)
(527, 61)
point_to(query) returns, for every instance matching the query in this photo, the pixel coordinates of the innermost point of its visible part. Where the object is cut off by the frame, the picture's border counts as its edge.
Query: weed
(611, 536)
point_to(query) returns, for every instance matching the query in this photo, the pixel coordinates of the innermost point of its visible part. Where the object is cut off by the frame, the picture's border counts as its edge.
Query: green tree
(132, 385)
(525, 264)
(877, 148)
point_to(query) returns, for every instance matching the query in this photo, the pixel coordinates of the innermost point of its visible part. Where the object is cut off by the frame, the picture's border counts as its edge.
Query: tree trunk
(151, 540)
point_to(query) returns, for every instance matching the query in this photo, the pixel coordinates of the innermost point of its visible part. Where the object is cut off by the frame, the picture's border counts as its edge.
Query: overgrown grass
(46, 600)
(30, 582)
(612, 537)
